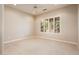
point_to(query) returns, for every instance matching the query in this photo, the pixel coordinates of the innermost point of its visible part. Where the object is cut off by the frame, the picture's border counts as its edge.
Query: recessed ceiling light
(35, 7)
(44, 9)
(35, 11)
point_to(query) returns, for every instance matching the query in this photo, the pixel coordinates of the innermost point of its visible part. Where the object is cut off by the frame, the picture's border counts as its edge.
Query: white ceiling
(29, 8)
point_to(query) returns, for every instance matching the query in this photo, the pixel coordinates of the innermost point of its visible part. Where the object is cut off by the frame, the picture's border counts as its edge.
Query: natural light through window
(51, 25)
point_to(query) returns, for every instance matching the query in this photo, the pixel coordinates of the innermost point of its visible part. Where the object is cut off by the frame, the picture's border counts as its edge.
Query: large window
(51, 25)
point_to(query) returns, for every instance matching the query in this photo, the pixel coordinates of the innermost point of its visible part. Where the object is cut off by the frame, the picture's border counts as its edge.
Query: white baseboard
(38, 37)
(17, 39)
(59, 40)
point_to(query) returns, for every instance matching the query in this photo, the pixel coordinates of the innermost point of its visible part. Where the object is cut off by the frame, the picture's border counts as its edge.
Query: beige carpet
(39, 47)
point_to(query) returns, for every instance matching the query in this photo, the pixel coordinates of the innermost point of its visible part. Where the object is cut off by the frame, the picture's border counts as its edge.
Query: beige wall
(0, 29)
(78, 26)
(68, 20)
(17, 24)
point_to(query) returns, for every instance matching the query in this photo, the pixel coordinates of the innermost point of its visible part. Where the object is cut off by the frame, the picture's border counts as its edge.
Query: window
(57, 24)
(51, 25)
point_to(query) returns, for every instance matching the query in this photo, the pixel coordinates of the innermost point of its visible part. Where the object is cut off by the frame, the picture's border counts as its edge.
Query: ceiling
(37, 9)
